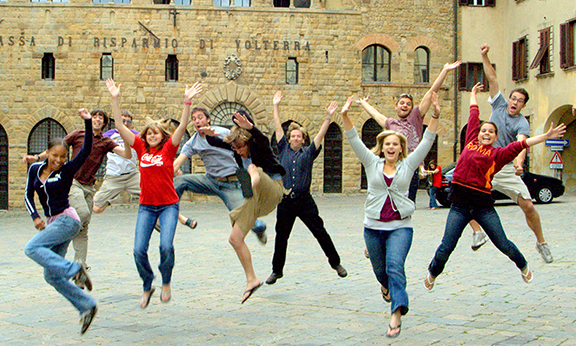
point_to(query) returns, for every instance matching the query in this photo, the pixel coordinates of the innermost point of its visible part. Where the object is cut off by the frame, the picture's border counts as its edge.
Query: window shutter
(462, 76)
(570, 46)
(485, 79)
(515, 60)
(490, 3)
(542, 50)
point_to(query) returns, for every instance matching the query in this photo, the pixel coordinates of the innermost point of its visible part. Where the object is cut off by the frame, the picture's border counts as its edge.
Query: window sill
(545, 75)
(521, 80)
(569, 68)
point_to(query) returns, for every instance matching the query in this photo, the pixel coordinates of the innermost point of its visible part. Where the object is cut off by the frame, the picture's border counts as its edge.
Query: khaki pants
(81, 197)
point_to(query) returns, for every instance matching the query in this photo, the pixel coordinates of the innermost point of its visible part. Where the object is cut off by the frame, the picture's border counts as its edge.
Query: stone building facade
(54, 57)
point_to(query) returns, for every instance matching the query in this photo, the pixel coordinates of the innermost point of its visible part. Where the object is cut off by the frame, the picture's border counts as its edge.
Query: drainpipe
(456, 136)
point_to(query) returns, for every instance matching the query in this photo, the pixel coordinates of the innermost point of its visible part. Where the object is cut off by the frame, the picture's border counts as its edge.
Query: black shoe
(272, 278)
(82, 279)
(341, 271)
(87, 318)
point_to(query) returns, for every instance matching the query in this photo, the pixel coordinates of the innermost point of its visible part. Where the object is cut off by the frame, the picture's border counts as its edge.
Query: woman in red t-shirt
(156, 151)
(436, 172)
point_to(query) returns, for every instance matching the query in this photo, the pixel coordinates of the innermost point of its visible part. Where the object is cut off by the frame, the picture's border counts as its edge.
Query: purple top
(412, 127)
(389, 211)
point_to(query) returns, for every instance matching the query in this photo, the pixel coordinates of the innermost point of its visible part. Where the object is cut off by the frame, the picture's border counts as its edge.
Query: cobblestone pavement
(480, 299)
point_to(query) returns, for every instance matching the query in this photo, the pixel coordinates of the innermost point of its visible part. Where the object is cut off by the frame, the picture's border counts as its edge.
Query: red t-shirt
(437, 178)
(156, 173)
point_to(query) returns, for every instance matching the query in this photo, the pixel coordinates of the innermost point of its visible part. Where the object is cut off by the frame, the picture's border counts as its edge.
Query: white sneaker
(544, 251)
(478, 239)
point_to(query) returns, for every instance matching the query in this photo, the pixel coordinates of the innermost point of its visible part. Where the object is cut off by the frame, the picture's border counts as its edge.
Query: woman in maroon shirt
(471, 186)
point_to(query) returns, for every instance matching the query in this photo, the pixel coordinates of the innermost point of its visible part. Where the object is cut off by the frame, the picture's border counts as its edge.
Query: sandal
(391, 329)
(144, 301)
(429, 282)
(192, 223)
(165, 296)
(386, 294)
(528, 276)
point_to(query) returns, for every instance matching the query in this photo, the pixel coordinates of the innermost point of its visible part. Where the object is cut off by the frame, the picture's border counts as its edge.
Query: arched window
(46, 130)
(421, 65)
(333, 160)
(370, 131)
(3, 169)
(221, 115)
(376, 64)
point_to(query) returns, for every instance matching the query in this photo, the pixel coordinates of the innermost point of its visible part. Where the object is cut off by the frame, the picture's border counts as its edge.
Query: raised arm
(553, 132)
(124, 131)
(346, 122)
(433, 125)
(181, 129)
(330, 110)
(379, 117)
(277, 122)
(477, 88)
(427, 99)
(489, 70)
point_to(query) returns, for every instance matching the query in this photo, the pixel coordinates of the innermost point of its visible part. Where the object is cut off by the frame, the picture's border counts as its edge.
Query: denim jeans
(488, 219)
(48, 248)
(413, 189)
(167, 215)
(228, 191)
(432, 190)
(388, 251)
(306, 209)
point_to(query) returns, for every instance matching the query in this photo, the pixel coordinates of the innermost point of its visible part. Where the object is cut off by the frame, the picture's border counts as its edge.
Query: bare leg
(475, 226)
(237, 241)
(532, 218)
(395, 322)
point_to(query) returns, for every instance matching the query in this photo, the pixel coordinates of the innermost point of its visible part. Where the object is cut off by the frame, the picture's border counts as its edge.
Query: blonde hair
(154, 126)
(237, 134)
(377, 150)
(295, 126)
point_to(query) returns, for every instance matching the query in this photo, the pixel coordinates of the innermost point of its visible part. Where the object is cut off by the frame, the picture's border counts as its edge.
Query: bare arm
(277, 122)
(124, 152)
(477, 88)
(489, 70)
(346, 122)
(181, 129)
(179, 162)
(553, 132)
(379, 117)
(330, 110)
(433, 125)
(427, 99)
(124, 131)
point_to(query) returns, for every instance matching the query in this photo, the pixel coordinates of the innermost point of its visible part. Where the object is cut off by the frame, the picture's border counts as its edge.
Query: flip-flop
(384, 294)
(393, 329)
(165, 296)
(189, 223)
(250, 291)
(147, 300)
(428, 282)
(528, 276)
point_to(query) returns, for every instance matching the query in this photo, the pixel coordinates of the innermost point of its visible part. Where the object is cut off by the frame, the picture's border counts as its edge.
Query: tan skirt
(267, 195)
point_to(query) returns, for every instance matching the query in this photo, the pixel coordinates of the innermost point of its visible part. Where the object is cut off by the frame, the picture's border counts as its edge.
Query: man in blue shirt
(298, 159)
(220, 178)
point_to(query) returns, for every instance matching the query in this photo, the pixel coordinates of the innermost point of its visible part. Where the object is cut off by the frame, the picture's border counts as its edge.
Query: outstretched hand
(348, 103)
(452, 66)
(208, 131)
(331, 108)
(112, 88)
(477, 88)
(363, 99)
(192, 91)
(277, 98)
(556, 132)
(242, 121)
(84, 114)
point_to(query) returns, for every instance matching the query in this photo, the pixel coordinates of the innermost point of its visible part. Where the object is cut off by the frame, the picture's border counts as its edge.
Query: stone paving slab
(480, 299)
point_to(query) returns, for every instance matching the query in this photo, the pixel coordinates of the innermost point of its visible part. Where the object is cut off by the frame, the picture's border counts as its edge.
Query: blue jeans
(48, 248)
(488, 219)
(432, 190)
(148, 215)
(413, 189)
(228, 191)
(388, 251)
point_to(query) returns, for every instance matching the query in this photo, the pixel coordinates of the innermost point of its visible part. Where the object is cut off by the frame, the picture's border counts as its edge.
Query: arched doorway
(563, 114)
(3, 168)
(370, 131)
(42, 133)
(333, 160)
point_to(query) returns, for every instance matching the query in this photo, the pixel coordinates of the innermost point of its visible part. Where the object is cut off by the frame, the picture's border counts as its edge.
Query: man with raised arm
(298, 159)
(410, 120)
(512, 126)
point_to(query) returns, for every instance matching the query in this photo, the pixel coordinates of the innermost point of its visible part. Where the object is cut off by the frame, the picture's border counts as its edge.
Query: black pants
(305, 208)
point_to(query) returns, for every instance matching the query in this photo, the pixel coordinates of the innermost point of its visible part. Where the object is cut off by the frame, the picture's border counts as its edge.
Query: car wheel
(544, 195)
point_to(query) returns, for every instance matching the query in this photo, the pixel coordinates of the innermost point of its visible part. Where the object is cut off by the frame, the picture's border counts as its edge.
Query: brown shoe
(82, 279)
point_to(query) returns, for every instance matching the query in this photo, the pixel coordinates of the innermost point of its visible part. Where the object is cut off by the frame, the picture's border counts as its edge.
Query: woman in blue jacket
(387, 225)
(51, 179)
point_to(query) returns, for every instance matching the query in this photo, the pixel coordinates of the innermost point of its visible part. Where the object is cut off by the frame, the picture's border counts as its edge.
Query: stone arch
(49, 111)
(423, 41)
(563, 114)
(381, 39)
(232, 92)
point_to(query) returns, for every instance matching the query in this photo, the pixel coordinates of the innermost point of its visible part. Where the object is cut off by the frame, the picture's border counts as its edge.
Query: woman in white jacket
(387, 224)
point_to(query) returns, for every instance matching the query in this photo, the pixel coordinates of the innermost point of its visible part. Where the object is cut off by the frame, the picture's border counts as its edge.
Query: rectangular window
(242, 3)
(520, 59)
(101, 1)
(542, 58)
(48, 66)
(471, 73)
(38, 0)
(106, 66)
(567, 44)
(121, 1)
(281, 3)
(222, 3)
(182, 2)
(292, 71)
(172, 68)
(481, 3)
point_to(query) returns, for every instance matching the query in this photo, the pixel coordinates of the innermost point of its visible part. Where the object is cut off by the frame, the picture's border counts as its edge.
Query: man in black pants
(298, 160)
